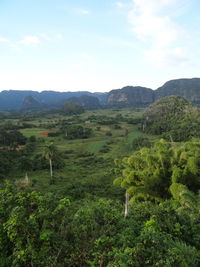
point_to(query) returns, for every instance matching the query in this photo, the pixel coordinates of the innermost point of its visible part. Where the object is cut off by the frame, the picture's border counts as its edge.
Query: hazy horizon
(63, 91)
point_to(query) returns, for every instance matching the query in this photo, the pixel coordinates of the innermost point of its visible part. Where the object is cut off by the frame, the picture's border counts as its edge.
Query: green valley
(63, 183)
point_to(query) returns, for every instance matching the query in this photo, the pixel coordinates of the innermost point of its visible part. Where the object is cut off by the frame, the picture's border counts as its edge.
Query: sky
(95, 45)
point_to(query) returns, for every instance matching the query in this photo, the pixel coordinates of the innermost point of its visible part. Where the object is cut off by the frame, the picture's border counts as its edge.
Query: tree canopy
(71, 108)
(149, 172)
(173, 117)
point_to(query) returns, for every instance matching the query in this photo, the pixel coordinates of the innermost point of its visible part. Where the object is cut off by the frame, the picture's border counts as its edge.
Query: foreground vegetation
(62, 195)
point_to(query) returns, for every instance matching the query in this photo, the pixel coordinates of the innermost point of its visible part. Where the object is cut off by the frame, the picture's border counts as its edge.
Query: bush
(104, 149)
(72, 108)
(117, 126)
(134, 120)
(53, 134)
(32, 139)
(108, 133)
(140, 142)
(78, 132)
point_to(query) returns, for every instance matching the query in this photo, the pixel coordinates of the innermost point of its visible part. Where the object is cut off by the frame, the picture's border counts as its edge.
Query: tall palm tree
(49, 153)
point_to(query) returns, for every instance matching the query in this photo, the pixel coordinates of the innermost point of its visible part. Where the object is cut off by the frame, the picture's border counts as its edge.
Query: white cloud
(119, 4)
(4, 40)
(172, 56)
(112, 41)
(45, 36)
(59, 37)
(83, 11)
(51, 37)
(30, 40)
(84, 55)
(153, 22)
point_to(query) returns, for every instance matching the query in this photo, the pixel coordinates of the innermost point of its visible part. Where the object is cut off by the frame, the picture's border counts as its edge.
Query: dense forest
(106, 187)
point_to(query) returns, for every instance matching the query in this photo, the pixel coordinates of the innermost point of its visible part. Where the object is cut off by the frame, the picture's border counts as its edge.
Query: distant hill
(188, 88)
(14, 99)
(129, 96)
(30, 103)
(103, 97)
(86, 101)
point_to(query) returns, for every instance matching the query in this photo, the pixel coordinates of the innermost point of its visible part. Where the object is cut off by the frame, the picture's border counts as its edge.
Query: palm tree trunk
(26, 177)
(51, 169)
(126, 205)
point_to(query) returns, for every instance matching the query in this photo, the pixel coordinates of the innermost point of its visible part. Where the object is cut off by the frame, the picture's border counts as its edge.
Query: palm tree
(190, 204)
(49, 153)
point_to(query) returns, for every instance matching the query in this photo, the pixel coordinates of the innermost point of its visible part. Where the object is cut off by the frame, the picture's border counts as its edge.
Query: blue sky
(96, 45)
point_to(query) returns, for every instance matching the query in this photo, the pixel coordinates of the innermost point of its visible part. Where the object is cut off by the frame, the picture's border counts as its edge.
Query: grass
(33, 131)
(133, 135)
(96, 146)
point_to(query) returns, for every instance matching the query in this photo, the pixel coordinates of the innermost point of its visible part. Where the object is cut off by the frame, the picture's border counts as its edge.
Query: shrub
(108, 133)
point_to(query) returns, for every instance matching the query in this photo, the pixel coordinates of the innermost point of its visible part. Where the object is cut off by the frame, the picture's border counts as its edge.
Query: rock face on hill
(86, 101)
(188, 88)
(130, 96)
(30, 103)
(140, 96)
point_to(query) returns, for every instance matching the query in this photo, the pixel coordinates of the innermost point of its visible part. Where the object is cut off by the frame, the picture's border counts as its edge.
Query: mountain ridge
(128, 96)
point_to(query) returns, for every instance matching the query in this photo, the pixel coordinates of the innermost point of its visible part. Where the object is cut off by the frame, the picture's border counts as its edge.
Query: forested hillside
(174, 118)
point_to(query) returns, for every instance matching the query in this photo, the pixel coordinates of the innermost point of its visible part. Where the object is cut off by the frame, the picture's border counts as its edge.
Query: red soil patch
(46, 133)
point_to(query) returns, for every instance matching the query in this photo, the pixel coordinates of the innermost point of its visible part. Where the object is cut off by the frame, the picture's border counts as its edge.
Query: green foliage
(41, 230)
(40, 227)
(53, 134)
(105, 149)
(12, 138)
(108, 133)
(72, 108)
(149, 172)
(134, 120)
(188, 201)
(176, 190)
(140, 142)
(77, 132)
(182, 255)
(173, 117)
(39, 162)
(50, 151)
(29, 235)
(7, 162)
(117, 126)
(95, 221)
